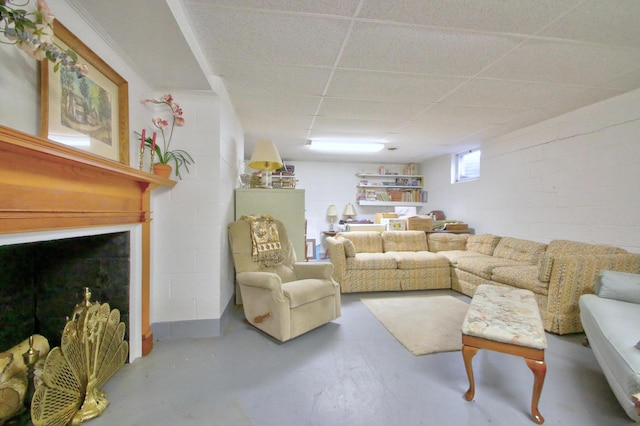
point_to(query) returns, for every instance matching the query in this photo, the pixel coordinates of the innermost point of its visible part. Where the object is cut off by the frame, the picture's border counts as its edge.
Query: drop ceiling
(427, 78)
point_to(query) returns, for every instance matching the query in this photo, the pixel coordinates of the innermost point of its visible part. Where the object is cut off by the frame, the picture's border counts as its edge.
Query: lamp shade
(265, 156)
(349, 210)
(332, 212)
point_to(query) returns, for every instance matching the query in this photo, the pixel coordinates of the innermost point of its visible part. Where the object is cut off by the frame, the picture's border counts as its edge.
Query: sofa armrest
(338, 258)
(305, 270)
(574, 275)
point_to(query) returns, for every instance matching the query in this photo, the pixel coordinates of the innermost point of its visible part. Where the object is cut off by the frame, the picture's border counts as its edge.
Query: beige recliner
(287, 299)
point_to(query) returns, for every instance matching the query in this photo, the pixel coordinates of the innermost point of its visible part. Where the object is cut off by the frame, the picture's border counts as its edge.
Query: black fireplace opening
(42, 282)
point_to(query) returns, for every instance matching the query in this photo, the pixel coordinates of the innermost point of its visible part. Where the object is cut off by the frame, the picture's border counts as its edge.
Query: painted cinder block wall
(573, 177)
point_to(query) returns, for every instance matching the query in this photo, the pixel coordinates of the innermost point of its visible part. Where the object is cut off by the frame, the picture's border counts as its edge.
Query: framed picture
(311, 249)
(89, 113)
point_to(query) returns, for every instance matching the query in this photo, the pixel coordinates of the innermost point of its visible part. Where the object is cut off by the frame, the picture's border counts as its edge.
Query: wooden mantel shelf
(46, 186)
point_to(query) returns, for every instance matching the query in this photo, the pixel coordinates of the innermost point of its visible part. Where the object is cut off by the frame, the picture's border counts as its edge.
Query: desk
(328, 234)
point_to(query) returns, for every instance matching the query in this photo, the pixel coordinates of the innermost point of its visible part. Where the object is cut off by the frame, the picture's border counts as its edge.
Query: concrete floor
(350, 372)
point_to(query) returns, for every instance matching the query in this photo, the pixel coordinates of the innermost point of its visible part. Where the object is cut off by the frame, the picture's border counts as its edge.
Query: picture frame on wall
(90, 113)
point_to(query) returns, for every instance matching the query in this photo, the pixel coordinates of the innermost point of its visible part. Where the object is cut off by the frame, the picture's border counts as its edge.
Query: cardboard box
(380, 216)
(395, 224)
(456, 227)
(419, 223)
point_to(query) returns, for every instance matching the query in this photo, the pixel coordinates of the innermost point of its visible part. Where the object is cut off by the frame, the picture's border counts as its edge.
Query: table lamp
(265, 157)
(349, 211)
(332, 213)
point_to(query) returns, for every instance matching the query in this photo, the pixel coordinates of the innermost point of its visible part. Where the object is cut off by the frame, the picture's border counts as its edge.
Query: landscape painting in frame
(85, 107)
(85, 112)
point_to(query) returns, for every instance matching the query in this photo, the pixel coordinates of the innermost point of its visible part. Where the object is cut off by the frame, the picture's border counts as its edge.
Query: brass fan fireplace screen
(67, 391)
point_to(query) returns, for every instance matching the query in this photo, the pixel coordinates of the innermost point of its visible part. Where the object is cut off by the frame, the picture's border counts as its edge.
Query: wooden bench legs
(533, 357)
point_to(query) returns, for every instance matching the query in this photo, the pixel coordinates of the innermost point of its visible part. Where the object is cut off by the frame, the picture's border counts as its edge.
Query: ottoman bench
(507, 320)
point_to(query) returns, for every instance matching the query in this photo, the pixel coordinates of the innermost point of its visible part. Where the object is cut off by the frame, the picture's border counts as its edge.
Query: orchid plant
(178, 157)
(32, 32)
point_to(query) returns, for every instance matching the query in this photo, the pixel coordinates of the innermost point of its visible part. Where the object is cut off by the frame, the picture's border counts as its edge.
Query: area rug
(423, 324)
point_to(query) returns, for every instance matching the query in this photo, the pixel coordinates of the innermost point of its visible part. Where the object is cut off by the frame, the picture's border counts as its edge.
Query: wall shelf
(390, 203)
(390, 189)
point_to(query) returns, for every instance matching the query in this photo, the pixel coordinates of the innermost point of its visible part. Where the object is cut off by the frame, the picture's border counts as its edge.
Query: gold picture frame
(90, 113)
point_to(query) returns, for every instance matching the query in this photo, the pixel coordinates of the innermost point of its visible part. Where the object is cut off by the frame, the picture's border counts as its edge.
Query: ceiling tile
(249, 35)
(252, 77)
(385, 47)
(369, 128)
(394, 87)
(563, 63)
(513, 16)
(435, 133)
(627, 81)
(286, 110)
(369, 110)
(329, 7)
(516, 94)
(616, 23)
(461, 114)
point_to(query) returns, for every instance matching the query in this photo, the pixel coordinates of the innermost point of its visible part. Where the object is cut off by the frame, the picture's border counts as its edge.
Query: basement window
(465, 166)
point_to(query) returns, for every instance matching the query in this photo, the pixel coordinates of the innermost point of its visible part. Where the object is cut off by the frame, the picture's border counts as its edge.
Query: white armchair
(287, 299)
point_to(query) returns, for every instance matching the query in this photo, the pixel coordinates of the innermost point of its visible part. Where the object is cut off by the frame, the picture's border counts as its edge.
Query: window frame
(457, 166)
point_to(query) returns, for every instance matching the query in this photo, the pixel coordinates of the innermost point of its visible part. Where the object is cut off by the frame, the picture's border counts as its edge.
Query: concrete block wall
(573, 177)
(191, 284)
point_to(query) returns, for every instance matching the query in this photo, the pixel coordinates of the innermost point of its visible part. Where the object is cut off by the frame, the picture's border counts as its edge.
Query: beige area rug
(423, 324)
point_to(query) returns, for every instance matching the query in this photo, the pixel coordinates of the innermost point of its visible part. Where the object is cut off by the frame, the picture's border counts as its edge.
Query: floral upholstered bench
(505, 319)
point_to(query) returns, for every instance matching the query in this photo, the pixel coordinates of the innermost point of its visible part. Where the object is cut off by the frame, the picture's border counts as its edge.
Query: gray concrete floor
(350, 372)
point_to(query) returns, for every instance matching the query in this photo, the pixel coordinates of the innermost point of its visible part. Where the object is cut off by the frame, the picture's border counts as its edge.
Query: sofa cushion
(484, 243)
(520, 250)
(404, 241)
(364, 241)
(372, 261)
(454, 255)
(447, 242)
(559, 247)
(621, 286)
(483, 266)
(419, 260)
(521, 277)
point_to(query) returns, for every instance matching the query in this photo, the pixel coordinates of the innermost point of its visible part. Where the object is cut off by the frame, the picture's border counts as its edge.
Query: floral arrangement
(32, 32)
(178, 157)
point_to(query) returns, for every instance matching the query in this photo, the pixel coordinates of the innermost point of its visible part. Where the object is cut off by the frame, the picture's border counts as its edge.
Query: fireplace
(49, 191)
(42, 281)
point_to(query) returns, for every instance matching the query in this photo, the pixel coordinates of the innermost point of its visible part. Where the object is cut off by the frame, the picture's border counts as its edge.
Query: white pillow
(622, 286)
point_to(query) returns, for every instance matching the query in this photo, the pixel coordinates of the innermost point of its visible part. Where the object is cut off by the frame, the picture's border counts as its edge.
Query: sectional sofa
(558, 273)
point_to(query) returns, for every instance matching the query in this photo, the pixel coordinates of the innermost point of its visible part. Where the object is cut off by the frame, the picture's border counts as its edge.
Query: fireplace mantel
(45, 185)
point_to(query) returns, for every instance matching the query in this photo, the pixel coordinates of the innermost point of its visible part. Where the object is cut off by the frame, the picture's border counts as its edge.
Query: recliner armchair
(287, 299)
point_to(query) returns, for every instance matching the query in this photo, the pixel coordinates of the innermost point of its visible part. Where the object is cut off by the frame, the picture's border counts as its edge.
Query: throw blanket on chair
(266, 248)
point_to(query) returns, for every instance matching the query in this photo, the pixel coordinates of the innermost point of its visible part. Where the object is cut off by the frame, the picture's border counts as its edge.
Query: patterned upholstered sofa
(557, 273)
(386, 261)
